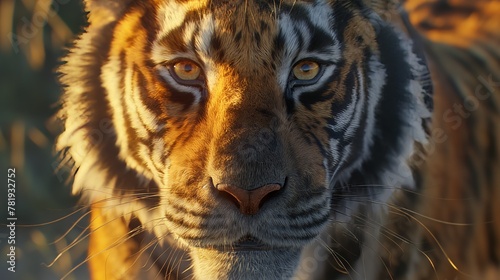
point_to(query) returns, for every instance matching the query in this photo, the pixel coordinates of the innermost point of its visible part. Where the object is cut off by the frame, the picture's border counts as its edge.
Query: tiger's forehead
(249, 13)
(173, 12)
(244, 30)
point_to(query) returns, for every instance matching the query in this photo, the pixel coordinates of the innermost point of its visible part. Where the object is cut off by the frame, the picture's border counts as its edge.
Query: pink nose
(249, 202)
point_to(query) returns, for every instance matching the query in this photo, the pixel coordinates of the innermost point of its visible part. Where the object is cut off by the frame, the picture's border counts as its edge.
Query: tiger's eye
(187, 70)
(306, 70)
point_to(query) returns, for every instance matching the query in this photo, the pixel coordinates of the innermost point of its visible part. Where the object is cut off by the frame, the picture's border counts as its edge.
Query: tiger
(290, 139)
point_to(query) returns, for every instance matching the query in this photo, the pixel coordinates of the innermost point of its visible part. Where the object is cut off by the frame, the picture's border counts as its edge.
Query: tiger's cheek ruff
(116, 152)
(401, 88)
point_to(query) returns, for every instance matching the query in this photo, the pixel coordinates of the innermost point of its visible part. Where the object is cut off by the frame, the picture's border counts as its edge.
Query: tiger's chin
(245, 262)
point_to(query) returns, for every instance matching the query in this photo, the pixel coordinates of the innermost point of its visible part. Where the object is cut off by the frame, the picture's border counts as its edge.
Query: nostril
(249, 202)
(232, 193)
(229, 197)
(269, 196)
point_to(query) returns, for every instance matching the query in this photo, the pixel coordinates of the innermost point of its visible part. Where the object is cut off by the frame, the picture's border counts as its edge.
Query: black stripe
(217, 53)
(392, 108)
(237, 37)
(159, 166)
(152, 104)
(135, 77)
(310, 221)
(311, 195)
(300, 38)
(149, 24)
(264, 27)
(418, 49)
(173, 95)
(320, 41)
(357, 140)
(257, 39)
(133, 140)
(324, 152)
(296, 12)
(179, 222)
(309, 98)
(174, 40)
(338, 107)
(342, 17)
(313, 209)
(181, 209)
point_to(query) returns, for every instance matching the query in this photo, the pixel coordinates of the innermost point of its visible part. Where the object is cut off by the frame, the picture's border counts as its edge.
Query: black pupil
(188, 67)
(306, 67)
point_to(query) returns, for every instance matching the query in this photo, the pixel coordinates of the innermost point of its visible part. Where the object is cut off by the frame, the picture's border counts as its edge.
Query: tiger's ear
(103, 12)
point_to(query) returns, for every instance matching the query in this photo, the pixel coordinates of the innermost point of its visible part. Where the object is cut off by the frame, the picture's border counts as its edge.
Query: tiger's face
(240, 129)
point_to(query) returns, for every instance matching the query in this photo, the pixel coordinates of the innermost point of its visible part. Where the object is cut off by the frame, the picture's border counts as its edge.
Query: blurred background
(33, 36)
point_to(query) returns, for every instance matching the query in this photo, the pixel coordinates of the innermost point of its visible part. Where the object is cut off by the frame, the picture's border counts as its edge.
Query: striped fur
(148, 148)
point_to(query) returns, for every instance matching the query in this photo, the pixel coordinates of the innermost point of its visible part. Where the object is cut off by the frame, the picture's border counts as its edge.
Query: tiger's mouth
(246, 243)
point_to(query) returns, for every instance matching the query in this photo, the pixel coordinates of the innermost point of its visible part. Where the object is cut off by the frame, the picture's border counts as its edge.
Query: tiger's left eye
(306, 70)
(187, 70)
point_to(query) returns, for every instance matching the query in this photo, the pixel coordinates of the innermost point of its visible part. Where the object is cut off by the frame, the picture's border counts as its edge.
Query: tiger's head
(240, 129)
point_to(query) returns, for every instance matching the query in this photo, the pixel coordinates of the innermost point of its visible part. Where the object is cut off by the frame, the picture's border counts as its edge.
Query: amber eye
(306, 70)
(187, 70)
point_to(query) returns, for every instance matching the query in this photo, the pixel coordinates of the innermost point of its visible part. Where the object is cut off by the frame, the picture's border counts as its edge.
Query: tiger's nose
(249, 202)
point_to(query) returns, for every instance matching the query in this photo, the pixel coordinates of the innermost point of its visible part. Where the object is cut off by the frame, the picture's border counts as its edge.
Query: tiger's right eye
(306, 70)
(187, 70)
